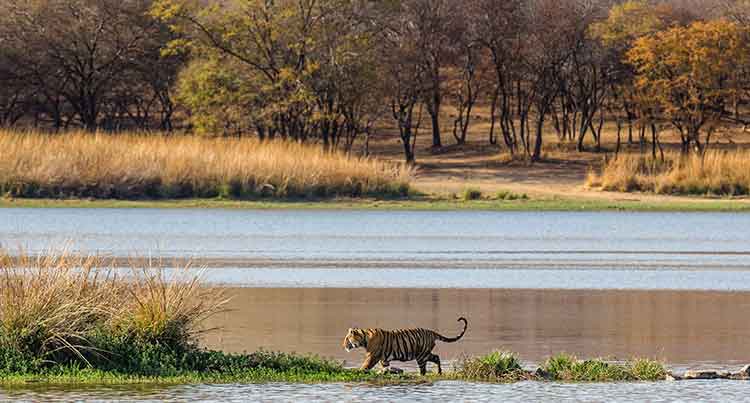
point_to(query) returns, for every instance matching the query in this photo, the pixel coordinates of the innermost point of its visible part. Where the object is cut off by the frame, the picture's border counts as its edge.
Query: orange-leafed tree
(691, 74)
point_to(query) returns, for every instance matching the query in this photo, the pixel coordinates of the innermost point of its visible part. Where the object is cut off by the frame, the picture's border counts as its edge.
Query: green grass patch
(259, 372)
(567, 368)
(510, 196)
(498, 366)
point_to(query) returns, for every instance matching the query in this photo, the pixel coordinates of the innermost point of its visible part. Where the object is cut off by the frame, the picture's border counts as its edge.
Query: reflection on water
(698, 391)
(683, 328)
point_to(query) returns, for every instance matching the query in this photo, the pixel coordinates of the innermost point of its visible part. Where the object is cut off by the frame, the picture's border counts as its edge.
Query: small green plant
(496, 366)
(510, 196)
(471, 194)
(644, 369)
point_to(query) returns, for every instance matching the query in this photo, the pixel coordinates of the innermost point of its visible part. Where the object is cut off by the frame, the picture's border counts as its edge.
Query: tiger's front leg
(369, 363)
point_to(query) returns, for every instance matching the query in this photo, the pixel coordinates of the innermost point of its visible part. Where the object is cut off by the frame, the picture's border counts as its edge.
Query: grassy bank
(717, 173)
(131, 166)
(411, 204)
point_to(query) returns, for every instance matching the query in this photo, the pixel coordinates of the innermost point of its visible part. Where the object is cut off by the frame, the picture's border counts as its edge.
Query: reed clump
(62, 310)
(719, 173)
(158, 166)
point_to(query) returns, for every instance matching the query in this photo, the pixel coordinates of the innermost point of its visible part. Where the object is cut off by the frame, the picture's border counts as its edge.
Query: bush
(63, 310)
(510, 196)
(647, 370)
(471, 194)
(496, 366)
(565, 367)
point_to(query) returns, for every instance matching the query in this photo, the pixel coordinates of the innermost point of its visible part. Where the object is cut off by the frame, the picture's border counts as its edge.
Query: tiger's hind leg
(435, 359)
(422, 367)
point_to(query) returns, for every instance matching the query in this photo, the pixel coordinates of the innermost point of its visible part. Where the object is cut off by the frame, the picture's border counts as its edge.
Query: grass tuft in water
(565, 367)
(499, 366)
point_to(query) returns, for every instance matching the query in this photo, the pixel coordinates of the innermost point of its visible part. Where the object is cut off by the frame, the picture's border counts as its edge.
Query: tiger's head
(355, 338)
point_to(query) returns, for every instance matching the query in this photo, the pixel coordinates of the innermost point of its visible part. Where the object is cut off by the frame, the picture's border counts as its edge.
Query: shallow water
(698, 391)
(686, 329)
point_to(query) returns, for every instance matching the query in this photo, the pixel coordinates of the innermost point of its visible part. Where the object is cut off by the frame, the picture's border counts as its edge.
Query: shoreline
(427, 203)
(561, 368)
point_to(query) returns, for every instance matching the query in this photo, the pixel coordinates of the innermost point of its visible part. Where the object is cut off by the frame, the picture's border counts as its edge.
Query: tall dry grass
(55, 308)
(127, 166)
(721, 173)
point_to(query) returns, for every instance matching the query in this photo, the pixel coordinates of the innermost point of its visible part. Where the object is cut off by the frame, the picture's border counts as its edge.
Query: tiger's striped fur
(384, 346)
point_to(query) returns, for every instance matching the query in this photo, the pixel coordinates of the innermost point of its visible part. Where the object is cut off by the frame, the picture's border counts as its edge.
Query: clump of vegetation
(644, 369)
(510, 196)
(499, 366)
(60, 310)
(715, 173)
(565, 367)
(471, 194)
(130, 166)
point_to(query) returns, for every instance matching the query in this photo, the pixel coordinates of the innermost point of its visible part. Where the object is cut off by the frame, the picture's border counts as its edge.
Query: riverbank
(425, 203)
(263, 367)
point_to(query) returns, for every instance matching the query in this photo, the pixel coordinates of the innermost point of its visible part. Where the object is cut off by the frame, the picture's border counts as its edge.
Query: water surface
(699, 391)
(400, 239)
(686, 329)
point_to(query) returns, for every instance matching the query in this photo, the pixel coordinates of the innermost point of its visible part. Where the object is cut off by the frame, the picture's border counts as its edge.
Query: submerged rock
(743, 374)
(672, 377)
(706, 374)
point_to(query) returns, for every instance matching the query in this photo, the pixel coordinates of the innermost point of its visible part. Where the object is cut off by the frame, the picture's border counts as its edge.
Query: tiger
(384, 346)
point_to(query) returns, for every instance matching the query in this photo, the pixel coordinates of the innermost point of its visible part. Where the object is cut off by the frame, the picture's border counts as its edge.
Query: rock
(745, 370)
(672, 377)
(706, 374)
(743, 374)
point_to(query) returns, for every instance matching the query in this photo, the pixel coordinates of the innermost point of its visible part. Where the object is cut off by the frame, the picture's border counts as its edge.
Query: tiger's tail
(457, 338)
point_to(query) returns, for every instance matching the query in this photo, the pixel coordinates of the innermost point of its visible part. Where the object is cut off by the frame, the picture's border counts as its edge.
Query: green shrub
(510, 196)
(565, 367)
(496, 366)
(648, 370)
(471, 194)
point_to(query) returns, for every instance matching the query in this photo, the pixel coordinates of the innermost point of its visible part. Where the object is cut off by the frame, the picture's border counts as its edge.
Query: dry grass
(170, 307)
(53, 307)
(134, 166)
(49, 304)
(717, 173)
